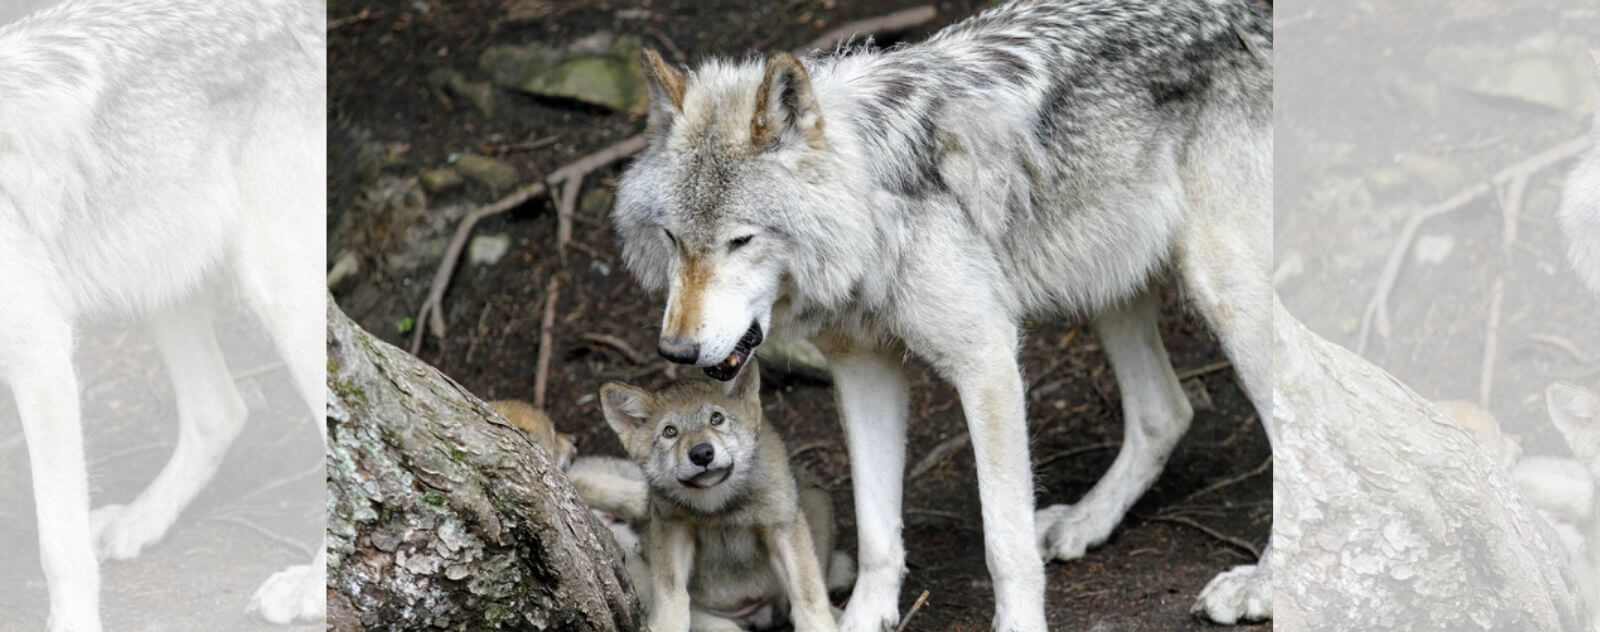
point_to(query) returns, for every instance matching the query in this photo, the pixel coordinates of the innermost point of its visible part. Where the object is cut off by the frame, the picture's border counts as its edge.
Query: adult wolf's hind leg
(36, 361)
(1155, 414)
(1224, 255)
(210, 415)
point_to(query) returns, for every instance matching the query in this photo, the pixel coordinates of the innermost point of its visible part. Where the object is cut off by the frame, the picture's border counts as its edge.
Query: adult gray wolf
(1042, 158)
(152, 151)
(731, 537)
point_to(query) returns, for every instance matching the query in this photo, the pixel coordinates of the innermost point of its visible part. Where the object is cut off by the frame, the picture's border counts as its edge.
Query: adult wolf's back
(1041, 158)
(149, 148)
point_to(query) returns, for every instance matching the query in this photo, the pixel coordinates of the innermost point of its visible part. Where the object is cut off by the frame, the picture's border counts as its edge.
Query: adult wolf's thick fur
(151, 150)
(1044, 158)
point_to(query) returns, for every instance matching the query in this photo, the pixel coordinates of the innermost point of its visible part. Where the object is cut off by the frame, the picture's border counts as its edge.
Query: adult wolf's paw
(122, 531)
(294, 594)
(1243, 593)
(872, 608)
(1066, 532)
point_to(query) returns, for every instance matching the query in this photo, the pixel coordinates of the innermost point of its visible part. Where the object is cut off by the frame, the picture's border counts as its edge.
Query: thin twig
(915, 606)
(1231, 480)
(939, 453)
(897, 21)
(541, 372)
(619, 344)
(1075, 452)
(1491, 342)
(565, 209)
(1376, 314)
(1224, 538)
(1204, 370)
(290, 543)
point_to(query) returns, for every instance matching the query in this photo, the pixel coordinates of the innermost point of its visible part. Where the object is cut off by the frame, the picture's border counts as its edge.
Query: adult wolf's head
(696, 440)
(722, 203)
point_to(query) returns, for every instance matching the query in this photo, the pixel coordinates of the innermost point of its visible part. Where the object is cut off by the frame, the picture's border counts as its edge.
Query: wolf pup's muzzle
(729, 367)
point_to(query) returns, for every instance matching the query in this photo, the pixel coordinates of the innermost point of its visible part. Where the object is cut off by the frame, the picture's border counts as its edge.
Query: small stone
(487, 250)
(600, 69)
(440, 180)
(1433, 249)
(495, 174)
(345, 269)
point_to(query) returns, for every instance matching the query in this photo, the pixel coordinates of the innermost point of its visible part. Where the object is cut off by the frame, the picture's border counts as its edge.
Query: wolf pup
(1038, 159)
(539, 427)
(726, 523)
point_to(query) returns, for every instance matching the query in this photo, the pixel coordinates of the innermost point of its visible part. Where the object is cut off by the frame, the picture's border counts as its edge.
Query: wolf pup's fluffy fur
(726, 528)
(1040, 159)
(540, 428)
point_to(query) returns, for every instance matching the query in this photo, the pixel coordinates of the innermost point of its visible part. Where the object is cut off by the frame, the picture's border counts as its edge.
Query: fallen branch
(300, 550)
(897, 21)
(1204, 370)
(1376, 315)
(547, 325)
(939, 453)
(1255, 471)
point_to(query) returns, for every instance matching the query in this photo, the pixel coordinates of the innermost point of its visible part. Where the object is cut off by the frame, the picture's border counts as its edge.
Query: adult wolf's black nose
(701, 454)
(680, 350)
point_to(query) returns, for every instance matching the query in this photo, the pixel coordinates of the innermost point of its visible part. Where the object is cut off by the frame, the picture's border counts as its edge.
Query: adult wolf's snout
(678, 349)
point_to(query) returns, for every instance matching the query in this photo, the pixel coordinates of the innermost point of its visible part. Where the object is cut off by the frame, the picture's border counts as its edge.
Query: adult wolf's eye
(739, 242)
(716, 418)
(669, 432)
(670, 236)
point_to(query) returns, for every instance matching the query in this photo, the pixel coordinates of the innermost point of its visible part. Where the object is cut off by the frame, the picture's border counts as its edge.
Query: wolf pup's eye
(739, 242)
(716, 418)
(669, 432)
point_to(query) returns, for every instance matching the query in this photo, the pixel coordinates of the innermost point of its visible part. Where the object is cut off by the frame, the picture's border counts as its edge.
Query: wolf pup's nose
(679, 350)
(701, 454)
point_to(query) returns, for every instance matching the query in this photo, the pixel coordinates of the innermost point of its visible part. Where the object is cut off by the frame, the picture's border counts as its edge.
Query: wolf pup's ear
(1576, 413)
(786, 109)
(746, 386)
(626, 408)
(665, 84)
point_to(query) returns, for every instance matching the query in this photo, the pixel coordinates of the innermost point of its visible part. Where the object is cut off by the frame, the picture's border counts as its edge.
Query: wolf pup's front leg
(796, 561)
(670, 549)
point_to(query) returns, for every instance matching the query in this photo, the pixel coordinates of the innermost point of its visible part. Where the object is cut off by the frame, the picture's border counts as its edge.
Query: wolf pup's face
(695, 439)
(709, 210)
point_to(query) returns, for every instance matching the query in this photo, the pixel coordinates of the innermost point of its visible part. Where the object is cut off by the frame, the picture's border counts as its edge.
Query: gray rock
(447, 83)
(601, 69)
(495, 174)
(488, 250)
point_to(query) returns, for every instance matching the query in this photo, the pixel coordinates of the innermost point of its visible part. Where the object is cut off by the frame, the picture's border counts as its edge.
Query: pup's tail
(841, 572)
(611, 485)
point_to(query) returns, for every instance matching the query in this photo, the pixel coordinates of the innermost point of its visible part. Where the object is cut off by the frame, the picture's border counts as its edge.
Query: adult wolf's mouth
(708, 478)
(728, 368)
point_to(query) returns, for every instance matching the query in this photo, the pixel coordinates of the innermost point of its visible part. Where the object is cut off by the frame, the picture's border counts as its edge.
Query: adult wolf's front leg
(874, 399)
(990, 386)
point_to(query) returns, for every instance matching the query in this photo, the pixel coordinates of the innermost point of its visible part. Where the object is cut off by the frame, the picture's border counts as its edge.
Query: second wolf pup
(723, 501)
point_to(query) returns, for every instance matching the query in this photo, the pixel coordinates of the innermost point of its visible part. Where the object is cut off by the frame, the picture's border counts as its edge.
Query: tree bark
(1390, 516)
(443, 516)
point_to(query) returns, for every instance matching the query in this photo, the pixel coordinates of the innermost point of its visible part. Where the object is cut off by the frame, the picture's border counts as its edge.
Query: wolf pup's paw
(294, 594)
(1066, 532)
(1243, 593)
(122, 531)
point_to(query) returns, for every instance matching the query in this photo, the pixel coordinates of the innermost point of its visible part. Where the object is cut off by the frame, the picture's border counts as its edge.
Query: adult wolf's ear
(786, 109)
(746, 386)
(1576, 413)
(626, 408)
(665, 84)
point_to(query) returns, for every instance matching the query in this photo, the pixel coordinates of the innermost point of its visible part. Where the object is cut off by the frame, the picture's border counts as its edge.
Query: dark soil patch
(1146, 577)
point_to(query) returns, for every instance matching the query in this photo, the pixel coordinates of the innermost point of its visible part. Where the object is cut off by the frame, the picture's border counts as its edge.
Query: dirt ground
(387, 126)
(262, 512)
